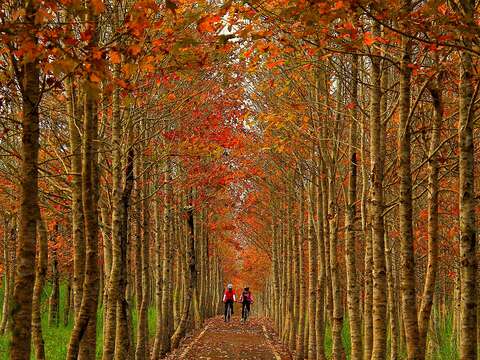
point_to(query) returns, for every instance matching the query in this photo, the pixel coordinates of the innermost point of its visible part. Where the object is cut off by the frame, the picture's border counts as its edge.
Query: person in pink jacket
(246, 299)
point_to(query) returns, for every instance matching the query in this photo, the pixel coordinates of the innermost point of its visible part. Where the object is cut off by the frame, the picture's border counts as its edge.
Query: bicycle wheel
(229, 312)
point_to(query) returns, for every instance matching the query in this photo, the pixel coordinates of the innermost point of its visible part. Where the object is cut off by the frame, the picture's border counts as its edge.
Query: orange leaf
(368, 39)
(206, 23)
(94, 78)
(271, 65)
(339, 5)
(98, 6)
(115, 57)
(134, 49)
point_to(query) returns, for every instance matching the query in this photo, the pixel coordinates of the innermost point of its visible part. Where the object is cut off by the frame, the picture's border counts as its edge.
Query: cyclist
(246, 299)
(229, 297)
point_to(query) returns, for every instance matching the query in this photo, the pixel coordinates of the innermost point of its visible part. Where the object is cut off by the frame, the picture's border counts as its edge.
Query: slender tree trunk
(86, 318)
(300, 350)
(42, 264)
(338, 351)
(353, 300)
(378, 246)
(468, 238)
(142, 329)
(320, 309)
(21, 309)
(192, 278)
(392, 301)
(407, 266)
(78, 236)
(67, 308)
(161, 228)
(123, 331)
(113, 285)
(433, 187)
(8, 275)
(53, 301)
(368, 264)
(313, 270)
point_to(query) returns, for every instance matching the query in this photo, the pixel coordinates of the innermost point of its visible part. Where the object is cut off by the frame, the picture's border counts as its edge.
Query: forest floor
(234, 340)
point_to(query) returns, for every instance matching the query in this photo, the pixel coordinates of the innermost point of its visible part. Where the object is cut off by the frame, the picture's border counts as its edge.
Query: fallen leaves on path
(233, 340)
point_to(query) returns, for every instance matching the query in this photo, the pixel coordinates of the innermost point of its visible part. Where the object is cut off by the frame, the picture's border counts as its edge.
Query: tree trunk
(379, 347)
(192, 278)
(8, 276)
(433, 191)
(85, 321)
(142, 329)
(42, 264)
(353, 300)
(407, 264)
(300, 351)
(54, 300)
(21, 309)
(113, 285)
(468, 260)
(78, 236)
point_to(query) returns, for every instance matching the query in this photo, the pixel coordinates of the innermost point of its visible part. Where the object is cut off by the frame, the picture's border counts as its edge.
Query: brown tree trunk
(8, 276)
(312, 272)
(67, 308)
(392, 301)
(338, 351)
(468, 238)
(85, 322)
(407, 263)
(433, 187)
(378, 246)
(142, 328)
(192, 278)
(78, 236)
(353, 300)
(300, 331)
(42, 264)
(54, 299)
(113, 285)
(21, 309)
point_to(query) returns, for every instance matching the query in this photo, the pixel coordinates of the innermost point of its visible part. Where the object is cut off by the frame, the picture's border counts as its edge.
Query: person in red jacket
(246, 299)
(229, 297)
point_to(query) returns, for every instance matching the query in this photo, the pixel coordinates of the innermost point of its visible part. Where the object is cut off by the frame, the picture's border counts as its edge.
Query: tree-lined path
(220, 340)
(323, 153)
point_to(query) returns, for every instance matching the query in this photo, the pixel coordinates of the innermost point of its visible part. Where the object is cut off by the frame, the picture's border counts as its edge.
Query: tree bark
(379, 347)
(21, 309)
(86, 318)
(42, 264)
(192, 278)
(353, 300)
(468, 236)
(433, 192)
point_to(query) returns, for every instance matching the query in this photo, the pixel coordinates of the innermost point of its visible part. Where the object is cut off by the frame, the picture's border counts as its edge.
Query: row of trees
(367, 115)
(118, 122)
(318, 145)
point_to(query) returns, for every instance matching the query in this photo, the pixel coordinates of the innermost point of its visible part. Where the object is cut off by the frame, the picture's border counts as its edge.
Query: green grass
(442, 344)
(56, 338)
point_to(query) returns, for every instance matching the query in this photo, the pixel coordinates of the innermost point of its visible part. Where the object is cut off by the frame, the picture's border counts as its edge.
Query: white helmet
(229, 286)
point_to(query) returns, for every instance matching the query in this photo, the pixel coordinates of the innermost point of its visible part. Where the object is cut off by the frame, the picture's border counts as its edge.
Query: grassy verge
(442, 341)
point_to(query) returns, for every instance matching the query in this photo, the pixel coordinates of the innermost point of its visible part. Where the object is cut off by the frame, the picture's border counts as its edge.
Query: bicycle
(245, 313)
(229, 312)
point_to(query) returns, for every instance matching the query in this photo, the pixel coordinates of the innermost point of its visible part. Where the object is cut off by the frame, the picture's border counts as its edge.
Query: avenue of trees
(323, 153)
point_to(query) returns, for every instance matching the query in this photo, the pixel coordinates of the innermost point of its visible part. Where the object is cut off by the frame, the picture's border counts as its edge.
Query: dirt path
(254, 340)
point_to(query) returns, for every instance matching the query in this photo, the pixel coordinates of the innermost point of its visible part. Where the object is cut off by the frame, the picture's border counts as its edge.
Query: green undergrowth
(442, 340)
(57, 338)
